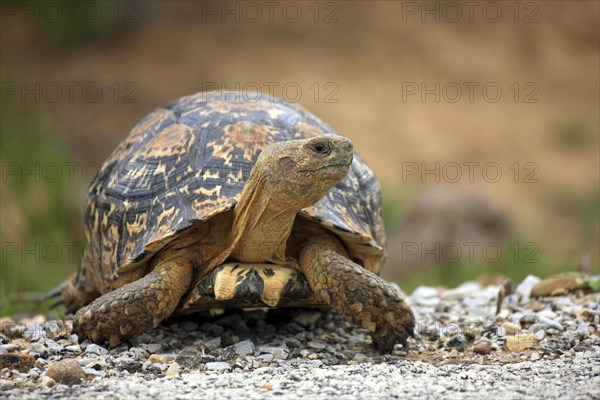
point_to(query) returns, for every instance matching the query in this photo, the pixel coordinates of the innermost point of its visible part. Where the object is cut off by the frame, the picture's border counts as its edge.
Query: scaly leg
(358, 294)
(136, 306)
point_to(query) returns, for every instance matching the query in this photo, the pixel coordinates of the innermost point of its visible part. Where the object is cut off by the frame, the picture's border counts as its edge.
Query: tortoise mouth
(337, 165)
(332, 165)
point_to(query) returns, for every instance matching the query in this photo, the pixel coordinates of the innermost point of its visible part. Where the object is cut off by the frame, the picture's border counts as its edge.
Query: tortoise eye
(321, 148)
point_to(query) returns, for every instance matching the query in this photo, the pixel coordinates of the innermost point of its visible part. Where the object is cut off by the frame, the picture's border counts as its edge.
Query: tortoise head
(298, 173)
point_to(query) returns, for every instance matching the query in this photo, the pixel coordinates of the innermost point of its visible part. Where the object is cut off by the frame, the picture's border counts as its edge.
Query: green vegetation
(77, 22)
(589, 213)
(41, 214)
(594, 284)
(572, 133)
(396, 207)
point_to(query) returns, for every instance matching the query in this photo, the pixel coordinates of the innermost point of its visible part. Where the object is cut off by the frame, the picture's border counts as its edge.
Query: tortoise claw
(55, 292)
(56, 303)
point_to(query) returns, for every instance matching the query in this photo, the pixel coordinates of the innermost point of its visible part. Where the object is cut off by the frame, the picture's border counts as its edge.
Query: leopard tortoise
(218, 201)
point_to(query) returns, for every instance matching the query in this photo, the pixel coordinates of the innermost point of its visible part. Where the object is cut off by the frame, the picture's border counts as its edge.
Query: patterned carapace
(188, 161)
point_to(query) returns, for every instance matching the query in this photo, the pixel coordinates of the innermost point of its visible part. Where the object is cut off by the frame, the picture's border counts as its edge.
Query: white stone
(218, 366)
(95, 349)
(173, 370)
(48, 382)
(265, 357)
(278, 353)
(523, 289)
(462, 290)
(213, 343)
(424, 292)
(540, 335)
(550, 323)
(244, 348)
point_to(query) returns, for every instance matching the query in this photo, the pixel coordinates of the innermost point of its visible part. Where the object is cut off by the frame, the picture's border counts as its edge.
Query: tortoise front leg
(356, 293)
(136, 306)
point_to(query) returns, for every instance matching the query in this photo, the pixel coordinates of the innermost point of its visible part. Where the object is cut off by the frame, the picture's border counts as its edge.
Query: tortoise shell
(188, 161)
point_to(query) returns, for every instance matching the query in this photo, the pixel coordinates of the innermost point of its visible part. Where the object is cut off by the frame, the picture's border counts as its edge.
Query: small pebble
(7, 348)
(218, 366)
(360, 357)
(523, 289)
(95, 349)
(510, 329)
(550, 323)
(91, 371)
(521, 342)
(483, 348)
(66, 371)
(162, 358)
(152, 347)
(586, 314)
(425, 292)
(278, 353)
(265, 357)
(244, 348)
(74, 348)
(173, 370)
(540, 335)
(48, 382)
(213, 343)
(317, 345)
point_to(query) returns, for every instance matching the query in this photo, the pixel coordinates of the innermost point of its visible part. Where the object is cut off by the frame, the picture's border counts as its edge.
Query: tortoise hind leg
(136, 306)
(358, 294)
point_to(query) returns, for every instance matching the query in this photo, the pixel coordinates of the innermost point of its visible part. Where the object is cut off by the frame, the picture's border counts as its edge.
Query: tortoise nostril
(347, 145)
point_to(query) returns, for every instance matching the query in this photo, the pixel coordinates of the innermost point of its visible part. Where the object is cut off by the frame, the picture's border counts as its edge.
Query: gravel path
(568, 378)
(542, 347)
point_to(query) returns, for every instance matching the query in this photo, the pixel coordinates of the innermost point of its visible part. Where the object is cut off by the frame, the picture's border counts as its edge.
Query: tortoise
(219, 201)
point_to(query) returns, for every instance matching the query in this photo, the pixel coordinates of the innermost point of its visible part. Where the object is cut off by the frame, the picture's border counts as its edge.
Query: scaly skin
(136, 307)
(358, 294)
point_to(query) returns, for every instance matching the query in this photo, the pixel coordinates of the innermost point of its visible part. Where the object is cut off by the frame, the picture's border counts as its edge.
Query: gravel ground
(466, 347)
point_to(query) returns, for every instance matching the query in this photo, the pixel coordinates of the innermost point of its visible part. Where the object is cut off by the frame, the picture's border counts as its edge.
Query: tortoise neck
(261, 225)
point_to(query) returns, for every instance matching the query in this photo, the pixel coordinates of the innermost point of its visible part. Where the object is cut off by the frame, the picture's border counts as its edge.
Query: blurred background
(480, 119)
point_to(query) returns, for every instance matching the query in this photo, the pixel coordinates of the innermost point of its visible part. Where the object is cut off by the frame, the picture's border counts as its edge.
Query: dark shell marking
(188, 161)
